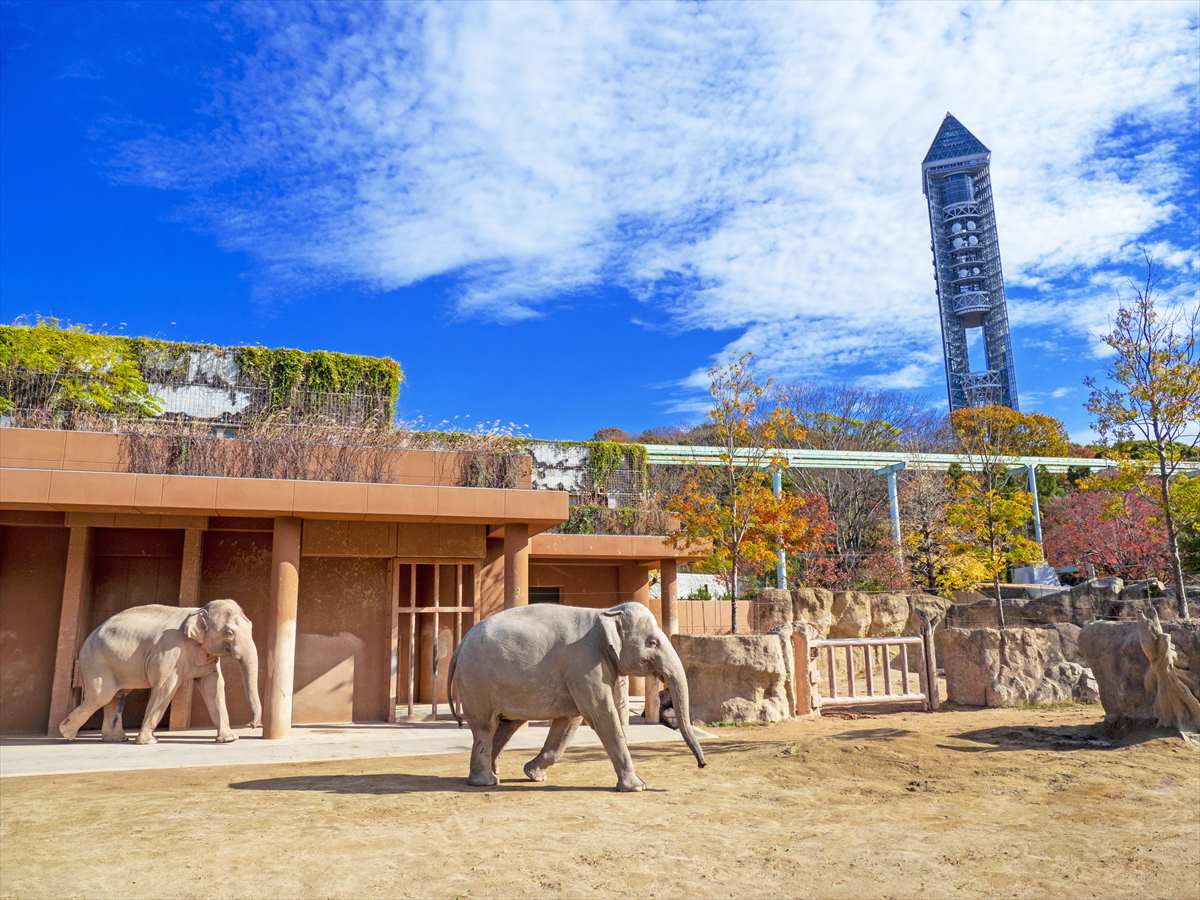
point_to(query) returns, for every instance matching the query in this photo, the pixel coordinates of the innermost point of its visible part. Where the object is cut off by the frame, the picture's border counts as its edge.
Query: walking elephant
(164, 648)
(560, 663)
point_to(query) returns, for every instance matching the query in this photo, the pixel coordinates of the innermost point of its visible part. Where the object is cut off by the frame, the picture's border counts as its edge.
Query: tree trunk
(1164, 484)
(999, 601)
(733, 592)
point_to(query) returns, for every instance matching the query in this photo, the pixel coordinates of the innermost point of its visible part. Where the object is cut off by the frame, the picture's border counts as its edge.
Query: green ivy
(606, 457)
(117, 368)
(69, 369)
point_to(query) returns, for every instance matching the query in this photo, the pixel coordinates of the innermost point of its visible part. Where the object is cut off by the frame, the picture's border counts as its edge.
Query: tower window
(958, 189)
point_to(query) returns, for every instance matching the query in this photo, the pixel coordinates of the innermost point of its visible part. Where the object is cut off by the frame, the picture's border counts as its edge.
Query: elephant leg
(161, 695)
(504, 732)
(481, 755)
(114, 726)
(212, 689)
(560, 734)
(97, 692)
(602, 712)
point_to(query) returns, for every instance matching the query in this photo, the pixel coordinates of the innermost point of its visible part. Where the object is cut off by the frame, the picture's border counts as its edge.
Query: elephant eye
(652, 642)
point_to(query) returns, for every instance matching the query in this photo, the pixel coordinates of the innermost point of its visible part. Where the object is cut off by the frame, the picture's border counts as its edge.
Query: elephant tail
(450, 687)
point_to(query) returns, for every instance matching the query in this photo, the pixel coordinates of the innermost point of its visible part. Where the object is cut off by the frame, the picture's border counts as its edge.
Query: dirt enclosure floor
(1004, 803)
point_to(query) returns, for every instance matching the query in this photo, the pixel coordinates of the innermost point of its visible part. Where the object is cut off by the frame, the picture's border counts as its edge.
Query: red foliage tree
(1120, 535)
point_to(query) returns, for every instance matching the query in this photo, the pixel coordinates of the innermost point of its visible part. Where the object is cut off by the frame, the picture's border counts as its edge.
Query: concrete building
(956, 179)
(368, 585)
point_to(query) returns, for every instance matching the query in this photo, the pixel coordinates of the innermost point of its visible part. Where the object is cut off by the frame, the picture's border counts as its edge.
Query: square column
(516, 564)
(491, 579)
(76, 598)
(668, 571)
(189, 595)
(281, 637)
(634, 584)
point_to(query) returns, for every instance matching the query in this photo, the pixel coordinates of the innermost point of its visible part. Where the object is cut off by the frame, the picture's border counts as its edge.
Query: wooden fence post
(930, 665)
(802, 673)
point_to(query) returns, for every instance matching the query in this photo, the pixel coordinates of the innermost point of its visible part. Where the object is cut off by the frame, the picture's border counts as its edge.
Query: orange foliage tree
(730, 505)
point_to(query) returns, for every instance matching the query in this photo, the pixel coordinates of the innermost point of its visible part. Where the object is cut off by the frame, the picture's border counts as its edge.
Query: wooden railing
(821, 686)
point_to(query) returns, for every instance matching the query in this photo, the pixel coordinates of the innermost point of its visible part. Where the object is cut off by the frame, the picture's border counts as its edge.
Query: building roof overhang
(609, 548)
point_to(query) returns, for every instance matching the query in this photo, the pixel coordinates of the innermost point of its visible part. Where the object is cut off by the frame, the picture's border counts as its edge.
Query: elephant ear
(195, 626)
(610, 625)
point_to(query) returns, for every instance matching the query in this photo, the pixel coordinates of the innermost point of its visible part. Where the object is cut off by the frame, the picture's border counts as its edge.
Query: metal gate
(433, 606)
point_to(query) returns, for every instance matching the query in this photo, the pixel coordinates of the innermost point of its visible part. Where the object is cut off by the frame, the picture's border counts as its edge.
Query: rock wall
(854, 614)
(1100, 598)
(1113, 652)
(1041, 665)
(738, 677)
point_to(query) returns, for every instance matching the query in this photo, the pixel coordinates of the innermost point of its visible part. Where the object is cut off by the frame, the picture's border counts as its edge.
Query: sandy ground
(1004, 803)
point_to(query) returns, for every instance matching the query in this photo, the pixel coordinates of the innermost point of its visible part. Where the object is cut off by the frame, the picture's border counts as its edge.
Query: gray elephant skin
(562, 664)
(164, 648)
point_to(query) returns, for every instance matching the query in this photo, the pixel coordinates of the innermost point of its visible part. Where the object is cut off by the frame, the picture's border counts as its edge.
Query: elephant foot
(146, 739)
(115, 738)
(534, 773)
(68, 733)
(488, 780)
(227, 738)
(633, 783)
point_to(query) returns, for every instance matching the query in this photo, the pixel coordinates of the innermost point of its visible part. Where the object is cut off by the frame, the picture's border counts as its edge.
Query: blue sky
(560, 215)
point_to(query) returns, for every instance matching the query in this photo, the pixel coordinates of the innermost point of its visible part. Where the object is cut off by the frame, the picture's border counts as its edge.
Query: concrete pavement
(34, 755)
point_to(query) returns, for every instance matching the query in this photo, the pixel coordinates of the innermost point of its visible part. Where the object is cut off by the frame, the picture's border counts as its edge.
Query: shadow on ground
(1053, 737)
(400, 783)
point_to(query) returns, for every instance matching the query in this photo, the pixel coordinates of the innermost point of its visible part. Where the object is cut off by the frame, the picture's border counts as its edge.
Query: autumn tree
(927, 535)
(849, 418)
(1120, 533)
(990, 512)
(1153, 394)
(730, 505)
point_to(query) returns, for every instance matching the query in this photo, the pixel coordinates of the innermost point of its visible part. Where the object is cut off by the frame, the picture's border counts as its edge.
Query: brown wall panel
(237, 565)
(32, 564)
(132, 567)
(342, 654)
(595, 586)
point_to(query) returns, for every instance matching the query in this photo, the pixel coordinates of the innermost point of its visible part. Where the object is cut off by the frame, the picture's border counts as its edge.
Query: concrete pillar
(189, 595)
(516, 564)
(491, 579)
(894, 508)
(1031, 473)
(633, 582)
(76, 598)
(281, 637)
(781, 560)
(669, 576)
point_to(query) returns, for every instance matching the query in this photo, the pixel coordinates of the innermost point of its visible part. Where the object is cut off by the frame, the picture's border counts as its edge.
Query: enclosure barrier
(888, 688)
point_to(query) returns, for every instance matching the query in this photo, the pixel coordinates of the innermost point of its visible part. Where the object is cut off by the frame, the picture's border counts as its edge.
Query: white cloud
(740, 166)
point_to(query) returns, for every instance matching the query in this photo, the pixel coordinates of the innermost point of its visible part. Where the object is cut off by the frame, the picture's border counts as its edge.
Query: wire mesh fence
(80, 399)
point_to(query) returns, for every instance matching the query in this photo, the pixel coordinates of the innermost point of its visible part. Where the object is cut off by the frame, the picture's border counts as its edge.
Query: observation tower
(966, 262)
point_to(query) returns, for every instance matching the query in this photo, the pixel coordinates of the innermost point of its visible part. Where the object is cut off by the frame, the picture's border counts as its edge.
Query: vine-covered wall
(116, 373)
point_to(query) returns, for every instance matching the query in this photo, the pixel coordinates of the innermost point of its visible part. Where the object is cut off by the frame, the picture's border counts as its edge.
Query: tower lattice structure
(966, 261)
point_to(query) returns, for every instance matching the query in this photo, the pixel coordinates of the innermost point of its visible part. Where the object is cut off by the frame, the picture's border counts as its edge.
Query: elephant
(564, 664)
(164, 648)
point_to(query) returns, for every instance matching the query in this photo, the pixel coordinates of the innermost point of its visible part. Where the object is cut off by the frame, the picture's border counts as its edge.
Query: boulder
(922, 607)
(813, 606)
(851, 614)
(737, 677)
(973, 611)
(1115, 655)
(770, 608)
(1041, 665)
(889, 614)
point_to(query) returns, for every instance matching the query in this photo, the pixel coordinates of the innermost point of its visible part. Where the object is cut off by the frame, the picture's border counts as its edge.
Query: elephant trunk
(247, 656)
(676, 678)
